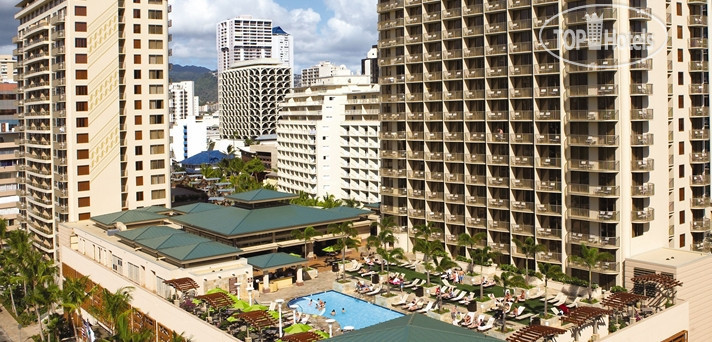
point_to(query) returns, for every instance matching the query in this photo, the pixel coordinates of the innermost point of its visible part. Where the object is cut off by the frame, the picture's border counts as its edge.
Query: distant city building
(249, 94)
(246, 38)
(8, 154)
(327, 139)
(297, 80)
(182, 102)
(369, 65)
(323, 69)
(189, 136)
(7, 69)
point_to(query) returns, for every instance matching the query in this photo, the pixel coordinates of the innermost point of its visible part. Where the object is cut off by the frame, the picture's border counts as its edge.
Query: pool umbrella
(329, 249)
(256, 307)
(297, 328)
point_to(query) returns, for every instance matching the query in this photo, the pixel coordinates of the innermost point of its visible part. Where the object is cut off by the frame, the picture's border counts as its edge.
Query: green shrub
(617, 288)
(510, 268)
(612, 328)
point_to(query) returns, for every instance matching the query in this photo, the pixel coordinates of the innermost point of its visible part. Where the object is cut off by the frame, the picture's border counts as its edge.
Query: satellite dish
(120, 226)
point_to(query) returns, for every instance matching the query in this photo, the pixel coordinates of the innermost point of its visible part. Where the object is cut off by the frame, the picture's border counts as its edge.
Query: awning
(274, 261)
(534, 332)
(182, 284)
(306, 336)
(216, 300)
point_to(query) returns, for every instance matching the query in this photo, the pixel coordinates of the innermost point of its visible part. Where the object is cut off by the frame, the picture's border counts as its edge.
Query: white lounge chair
(517, 312)
(574, 304)
(468, 299)
(414, 283)
(272, 306)
(409, 306)
(459, 297)
(557, 311)
(375, 291)
(488, 325)
(560, 301)
(426, 308)
(464, 319)
(403, 300)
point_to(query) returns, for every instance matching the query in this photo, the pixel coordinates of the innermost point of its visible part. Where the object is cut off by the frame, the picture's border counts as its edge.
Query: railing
(587, 214)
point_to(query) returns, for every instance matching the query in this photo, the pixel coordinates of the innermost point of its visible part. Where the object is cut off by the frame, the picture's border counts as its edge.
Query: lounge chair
(488, 325)
(557, 298)
(455, 293)
(560, 301)
(465, 322)
(489, 283)
(410, 305)
(536, 295)
(574, 304)
(304, 319)
(447, 283)
(459, 297)
(557, 311)
(417, 306)
(402, 300)
(517, 312)
(272, 306)
(426, 308)
(375, 291)
(414, 283)
(468, 299)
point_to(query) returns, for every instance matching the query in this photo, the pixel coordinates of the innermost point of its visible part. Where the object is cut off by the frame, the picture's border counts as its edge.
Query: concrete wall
(161, 310)
(656, 327)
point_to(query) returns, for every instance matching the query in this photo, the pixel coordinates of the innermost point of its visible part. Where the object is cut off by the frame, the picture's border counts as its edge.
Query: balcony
(592, 240)
(593, 165)
(498, 160)
(596, 115)
(699, 66)
(645, 190)
(498, 181)
(548, 162)
(394, 173)
(641, 114)
(593, 140)
(700, 134)
(593, 215)
(644, 165)
(699, 89)
(455, 219)
(521, 138)
(594, 191)
(416, 213)
(434, 216)
(645, 139)
(547, 92)
(548, 115)
(548, 186)
(525, 184)
(701, 225)
(593, 90)
(521, 115)
(475, 222)
(523, 206)
(700, 202)
(475, 137)
(475, 200)
(644, 215)
(604, 267)
(500, 247)
(388, 209)
(522, 161)
(641, 89)
(699, 157)
(522, 229)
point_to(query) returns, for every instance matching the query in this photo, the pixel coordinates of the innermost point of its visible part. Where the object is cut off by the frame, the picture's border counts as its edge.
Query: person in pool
(333, 312)
(311, 301)
(343, 310)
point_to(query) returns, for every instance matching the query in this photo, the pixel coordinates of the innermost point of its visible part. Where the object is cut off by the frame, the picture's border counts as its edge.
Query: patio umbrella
(329, 249)
(321, 333)
(256, 307)
(297, 328)
(274, 314)
(240, 305)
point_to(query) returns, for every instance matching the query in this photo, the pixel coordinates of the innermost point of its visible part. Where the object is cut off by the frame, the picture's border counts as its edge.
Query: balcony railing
(644, 215)
(605, 267)
(593, 215)
(592, 240)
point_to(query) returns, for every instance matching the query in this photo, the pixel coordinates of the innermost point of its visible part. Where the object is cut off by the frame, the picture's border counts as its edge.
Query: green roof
(196, 207)
(128, 217)
(231, 221)
(154, 209)
(274, 260)
(176, 244)
(350, 211)
(260, 195)
(414, 328)
(375, 205)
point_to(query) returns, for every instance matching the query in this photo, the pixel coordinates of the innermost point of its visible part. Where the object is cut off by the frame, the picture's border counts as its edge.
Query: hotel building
(245, 38)
(92, 104)
(491, 126)
(8, 154)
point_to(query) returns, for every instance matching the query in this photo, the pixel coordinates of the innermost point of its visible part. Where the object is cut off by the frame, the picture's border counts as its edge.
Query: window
(82, 154)
(681, 194)
(137, 104)
(80, 58)
(681, 125)
(158, 179)
(81, 74)
(83, 138)
(83, 186)
(138, 135)
(139, 165)
(82, 106)
(680, 56)
(680, 78)
(137, 74)
(139, 196)
(682, 240)
(137, 13)
(155, 44)
(80, 11)
(80, 26)
(82, 90)
(138, 150)
(83, 170)
(155, 29)
(681, 171)
(679, 8)
(158, 164)
(133, 273)
(155, 14)
(155, 74)
(80, 42)
(680, 101)
(84, 202)
(138, 119)
(155, 59)
(158, 194)
(156, 119)
(84, 216)
(157, 134)
(157, 149)
(679, 32)
(681, 148)
(137, 89)
(155, 89)
(155, 104)
(139, 180)
(637, 230)
(137, 59)
(82, 122)
(137, 28)
(682, 216)
(137, 43)
(117, 264)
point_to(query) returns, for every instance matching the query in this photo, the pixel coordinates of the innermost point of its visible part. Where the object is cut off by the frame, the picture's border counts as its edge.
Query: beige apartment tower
(506, 131)
(92, 104)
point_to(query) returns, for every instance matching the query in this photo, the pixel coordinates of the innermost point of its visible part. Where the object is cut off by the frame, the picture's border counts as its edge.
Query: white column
(265, 283)
(300, 278)
(330, 321)
(279, 302)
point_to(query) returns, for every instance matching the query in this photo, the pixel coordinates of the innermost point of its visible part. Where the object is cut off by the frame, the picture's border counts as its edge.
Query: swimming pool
(358, 313)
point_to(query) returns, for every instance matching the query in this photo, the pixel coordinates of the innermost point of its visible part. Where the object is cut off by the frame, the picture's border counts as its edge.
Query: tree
(3, 231)
(346, 233)
(74, 294)
(390, 256)
(42, 290)
(423, 244)
(306, 235)
(482, 257)
(175, 337)
(590, 257)
(124, 333)
(441, 265)
(548, 271)
(352, 203)
(113, 305)
(305, 199)
(471, 241)
(509, 280)
(530, 248)
(385, 236)
(209, 172)
(329, 201)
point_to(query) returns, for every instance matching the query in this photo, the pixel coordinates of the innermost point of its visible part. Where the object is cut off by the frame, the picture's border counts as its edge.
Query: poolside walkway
(8, 328)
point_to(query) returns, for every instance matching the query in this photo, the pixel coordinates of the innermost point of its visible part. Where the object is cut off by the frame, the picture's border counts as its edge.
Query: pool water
(358, 313)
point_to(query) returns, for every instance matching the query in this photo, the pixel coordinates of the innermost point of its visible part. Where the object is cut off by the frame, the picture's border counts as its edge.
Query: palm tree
(482, 257)
(124, 333)
(509, 280)
(329, 201)
(3, 231)
(346, 233)
(306, 235)
(529, 248)
(471, 241)
(385, 236)
(74, 294)
(590, 257)
(352, 203)
(175, 337)
(441, 265)
(430, 249)
(548, 271)
(42, 290)
(305, 199)
(113, 305)
(390, 256)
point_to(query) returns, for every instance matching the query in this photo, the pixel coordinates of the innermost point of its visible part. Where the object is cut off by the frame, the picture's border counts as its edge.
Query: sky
(339, 31)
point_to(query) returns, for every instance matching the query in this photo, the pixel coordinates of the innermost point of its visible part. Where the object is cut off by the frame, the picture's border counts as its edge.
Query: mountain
(206, 83)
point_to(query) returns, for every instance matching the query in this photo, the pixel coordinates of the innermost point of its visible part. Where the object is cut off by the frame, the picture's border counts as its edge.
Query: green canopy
(256, 307)
(297, 328)
(329, 249)
(321, 333)
(241, 305)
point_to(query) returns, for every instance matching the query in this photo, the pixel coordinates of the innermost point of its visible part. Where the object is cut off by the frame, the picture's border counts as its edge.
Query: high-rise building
(182, 101)
(369, 65)
(189, 137)
(246, 38)
(494, 126)
(311, 74)
(327, 138)
(249, 93)
(8, 154)
(93, 110)
(7, 69)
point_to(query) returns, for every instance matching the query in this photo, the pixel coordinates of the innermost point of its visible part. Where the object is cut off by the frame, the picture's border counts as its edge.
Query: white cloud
(342, 38)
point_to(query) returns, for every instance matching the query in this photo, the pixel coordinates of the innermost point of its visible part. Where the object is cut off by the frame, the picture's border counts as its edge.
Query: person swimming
(333, 312)
(343, 310)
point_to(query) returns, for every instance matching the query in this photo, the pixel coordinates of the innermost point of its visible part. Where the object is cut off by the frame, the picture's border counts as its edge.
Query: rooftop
(206, 157)
(196, 208)
(669, 257)
(275, 260)
(260, 196)
(129, 217)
